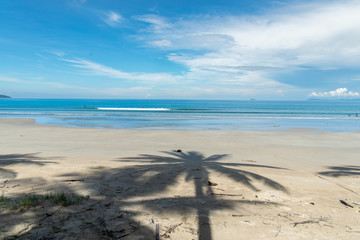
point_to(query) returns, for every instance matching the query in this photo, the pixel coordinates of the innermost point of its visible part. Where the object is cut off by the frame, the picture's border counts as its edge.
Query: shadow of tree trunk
(203, 213)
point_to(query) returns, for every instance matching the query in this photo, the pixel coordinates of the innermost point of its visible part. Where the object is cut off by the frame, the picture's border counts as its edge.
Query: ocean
(316, 115)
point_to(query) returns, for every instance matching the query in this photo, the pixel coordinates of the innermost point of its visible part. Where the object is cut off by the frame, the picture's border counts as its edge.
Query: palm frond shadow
(28, 158)
(189, 163)
(13, 159)
(7, 174)
(341, 171)
(196, 168)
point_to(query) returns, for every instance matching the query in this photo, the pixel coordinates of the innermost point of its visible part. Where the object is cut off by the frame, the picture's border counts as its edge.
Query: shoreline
(290, 129)
(264, 184)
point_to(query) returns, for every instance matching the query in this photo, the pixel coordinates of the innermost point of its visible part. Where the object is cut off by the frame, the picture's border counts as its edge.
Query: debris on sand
(345, 203)
(212, 183)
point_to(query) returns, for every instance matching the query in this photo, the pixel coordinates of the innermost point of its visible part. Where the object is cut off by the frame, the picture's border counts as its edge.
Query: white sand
(270, 184)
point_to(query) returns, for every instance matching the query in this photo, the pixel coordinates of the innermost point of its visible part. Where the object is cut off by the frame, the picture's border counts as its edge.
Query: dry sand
(223, 185)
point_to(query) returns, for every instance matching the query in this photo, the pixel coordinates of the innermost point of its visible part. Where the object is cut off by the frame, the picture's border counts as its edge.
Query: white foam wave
(134, 109)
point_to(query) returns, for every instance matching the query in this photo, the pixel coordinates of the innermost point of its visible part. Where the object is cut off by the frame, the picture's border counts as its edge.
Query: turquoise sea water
(322, 115)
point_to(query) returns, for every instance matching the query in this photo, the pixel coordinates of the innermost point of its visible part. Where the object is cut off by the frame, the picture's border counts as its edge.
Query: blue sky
(213, 49)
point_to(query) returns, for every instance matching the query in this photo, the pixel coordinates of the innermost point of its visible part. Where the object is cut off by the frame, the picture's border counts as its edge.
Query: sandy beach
(126, 184)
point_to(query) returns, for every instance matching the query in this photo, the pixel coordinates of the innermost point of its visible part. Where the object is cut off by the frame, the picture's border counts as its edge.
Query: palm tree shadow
(121, 197)
(196, 168)
(341, 171)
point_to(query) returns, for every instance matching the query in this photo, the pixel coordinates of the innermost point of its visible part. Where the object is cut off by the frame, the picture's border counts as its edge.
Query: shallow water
(324, 115)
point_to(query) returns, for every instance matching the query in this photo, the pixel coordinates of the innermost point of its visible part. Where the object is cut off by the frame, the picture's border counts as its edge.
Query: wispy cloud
(161, 43)
(47, 83)
(192, 84)
(112, 18)
(356, 78)
(130, 92)
(340, 92)
(157, 23)
(9, 79)
(57, 53)
(102, 70)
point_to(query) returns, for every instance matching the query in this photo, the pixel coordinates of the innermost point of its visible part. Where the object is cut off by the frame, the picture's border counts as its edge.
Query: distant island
(4, 96)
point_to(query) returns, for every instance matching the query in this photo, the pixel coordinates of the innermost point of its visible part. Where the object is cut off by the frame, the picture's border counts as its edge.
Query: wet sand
(222, 185)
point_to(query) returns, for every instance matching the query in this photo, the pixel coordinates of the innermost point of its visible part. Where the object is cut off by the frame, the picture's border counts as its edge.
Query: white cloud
(323, 35)
(340, 92)
(112, 18)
